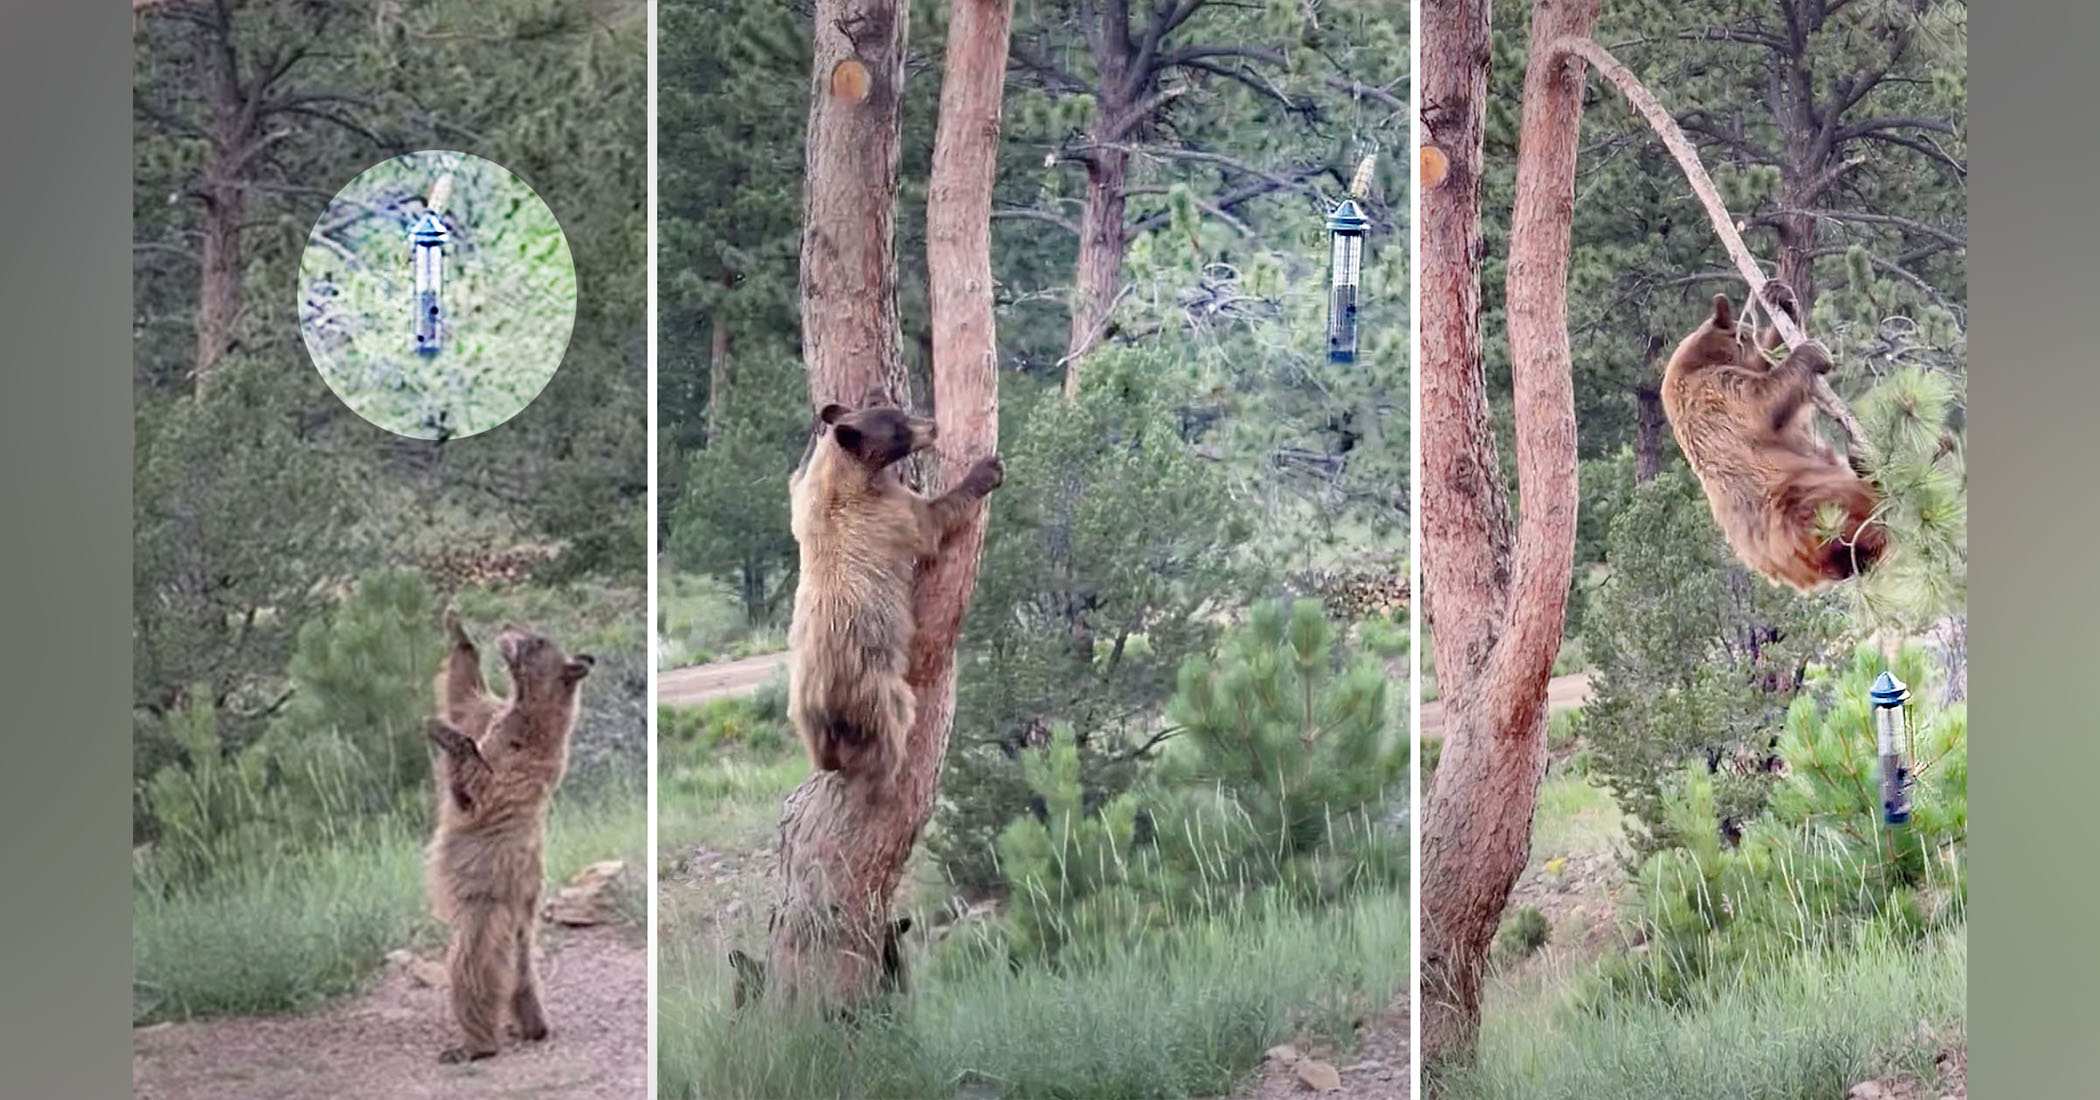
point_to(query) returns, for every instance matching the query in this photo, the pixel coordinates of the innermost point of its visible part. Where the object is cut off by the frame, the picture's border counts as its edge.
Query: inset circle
(437, 295)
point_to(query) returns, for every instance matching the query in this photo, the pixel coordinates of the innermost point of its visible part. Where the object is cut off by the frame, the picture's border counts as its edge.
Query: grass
(1810, 1027)
(699, 620)
(1574, 816)
(1185, 1020)
(287, 934)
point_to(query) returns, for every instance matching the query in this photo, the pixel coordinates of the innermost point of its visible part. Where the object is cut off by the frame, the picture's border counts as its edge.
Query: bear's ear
(831, 413)
(1723, 312)
(847, 436)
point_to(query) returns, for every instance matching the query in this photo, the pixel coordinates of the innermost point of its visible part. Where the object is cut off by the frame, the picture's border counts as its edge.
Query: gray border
(65, 444)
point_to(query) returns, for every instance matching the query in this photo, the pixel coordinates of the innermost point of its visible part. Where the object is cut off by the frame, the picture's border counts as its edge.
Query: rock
(1319, 1076)
(1286, 1054)
(1867, 1090)
(589, 897)
(421, 971)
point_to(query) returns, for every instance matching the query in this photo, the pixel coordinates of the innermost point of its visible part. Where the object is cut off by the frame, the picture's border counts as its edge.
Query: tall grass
(1184, 1018)
(1809, 1027)
(288, 932)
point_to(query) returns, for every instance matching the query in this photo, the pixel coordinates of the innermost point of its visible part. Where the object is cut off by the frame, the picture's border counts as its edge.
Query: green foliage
(1808, 1027)
(1522, 935)
(1919, 463)
(509, 296)
(753, 722)
(258, 496)
(1113, 548)
(1282, 758)
(732, 522)
(1137, 1019)
(1818, 869)
(348, 745)
(1694, 659)
(286, 929)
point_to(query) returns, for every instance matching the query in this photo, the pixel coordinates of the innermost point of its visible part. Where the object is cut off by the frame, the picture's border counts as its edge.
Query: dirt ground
(383, 1044)
(699, 683)
(1378, 1069)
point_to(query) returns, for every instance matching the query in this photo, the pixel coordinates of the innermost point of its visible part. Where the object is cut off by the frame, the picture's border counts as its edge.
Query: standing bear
(498, 763)
(864, 536)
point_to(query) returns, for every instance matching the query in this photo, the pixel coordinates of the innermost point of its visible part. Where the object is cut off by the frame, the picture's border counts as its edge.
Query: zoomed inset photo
(436, 295)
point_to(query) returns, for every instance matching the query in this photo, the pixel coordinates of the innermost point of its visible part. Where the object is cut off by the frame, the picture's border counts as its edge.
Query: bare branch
(1030, 213)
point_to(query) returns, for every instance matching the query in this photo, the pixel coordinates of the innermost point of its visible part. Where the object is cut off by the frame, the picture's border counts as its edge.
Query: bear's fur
(863, 535)
(498, 763)
(1746, 427)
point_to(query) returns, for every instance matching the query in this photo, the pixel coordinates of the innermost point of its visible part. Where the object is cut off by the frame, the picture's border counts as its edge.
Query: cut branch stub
(1673, 139)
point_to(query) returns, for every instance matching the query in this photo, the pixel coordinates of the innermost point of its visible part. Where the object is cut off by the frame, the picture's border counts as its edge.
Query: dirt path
(1378, 1069)
(1562, 692)
(383, 1044)
(699, 683)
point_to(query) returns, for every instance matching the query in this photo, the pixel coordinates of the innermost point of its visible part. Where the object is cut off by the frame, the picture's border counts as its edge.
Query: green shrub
(1818, 868)
(1694, 659)
(1283, 756)
(1522, 935)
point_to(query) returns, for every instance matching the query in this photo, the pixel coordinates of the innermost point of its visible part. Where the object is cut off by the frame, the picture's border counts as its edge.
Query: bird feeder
(1345, 243)
(1892, 731)
(426, 240)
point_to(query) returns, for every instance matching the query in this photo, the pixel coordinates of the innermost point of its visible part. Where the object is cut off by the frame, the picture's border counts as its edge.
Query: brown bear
(498, 763)
(864, 535)
(1793, 511)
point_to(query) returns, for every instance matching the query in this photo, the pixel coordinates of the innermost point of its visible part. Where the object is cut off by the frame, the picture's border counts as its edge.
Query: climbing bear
(864, 535)
(1793, 511)
(498, 763)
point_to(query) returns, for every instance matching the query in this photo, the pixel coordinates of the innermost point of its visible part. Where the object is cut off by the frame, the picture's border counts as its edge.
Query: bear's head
(877, 436)
(538, 666)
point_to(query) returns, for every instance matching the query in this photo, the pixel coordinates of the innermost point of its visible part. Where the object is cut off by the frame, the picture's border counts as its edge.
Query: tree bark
(1648, 419)
(224, 194)
(843, 844)
(717, 374)
(1102, 235)
(851, 339)
(1497, 610)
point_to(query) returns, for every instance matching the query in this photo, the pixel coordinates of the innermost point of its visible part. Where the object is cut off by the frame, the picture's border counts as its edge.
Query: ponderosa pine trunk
(851, 338)
(843, 844)
(1495, 602)
(1102, 234)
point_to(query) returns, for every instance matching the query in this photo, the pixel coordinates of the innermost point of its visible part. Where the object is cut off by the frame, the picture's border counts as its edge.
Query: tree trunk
(717, 374)
(225, 200)
(1497, 610)
(1102, 235)
(843, 845)
(1648, 432)
(851, 338)
(1100, 270)
(1648, 415)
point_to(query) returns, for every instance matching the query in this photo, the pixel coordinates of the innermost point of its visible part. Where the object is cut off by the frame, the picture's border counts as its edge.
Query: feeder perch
(1345, 239)
(1892, 731)
(426, 240)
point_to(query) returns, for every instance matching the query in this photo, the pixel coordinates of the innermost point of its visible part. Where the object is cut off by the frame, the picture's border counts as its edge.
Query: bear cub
(864, 536)
(498, 762)
(1792, 510)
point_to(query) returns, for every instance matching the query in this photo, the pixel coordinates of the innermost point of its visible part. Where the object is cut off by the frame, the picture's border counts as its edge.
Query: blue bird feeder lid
(1888, 691)
(1346, 218)
(428, 229)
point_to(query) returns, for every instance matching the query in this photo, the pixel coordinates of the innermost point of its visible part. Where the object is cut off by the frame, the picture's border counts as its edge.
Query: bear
(498, 763)
(863, 537)
(1793, 511)
(751, 973)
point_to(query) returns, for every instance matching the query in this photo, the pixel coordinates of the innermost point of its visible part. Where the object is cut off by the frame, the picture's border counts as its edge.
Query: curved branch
(1665, 127)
